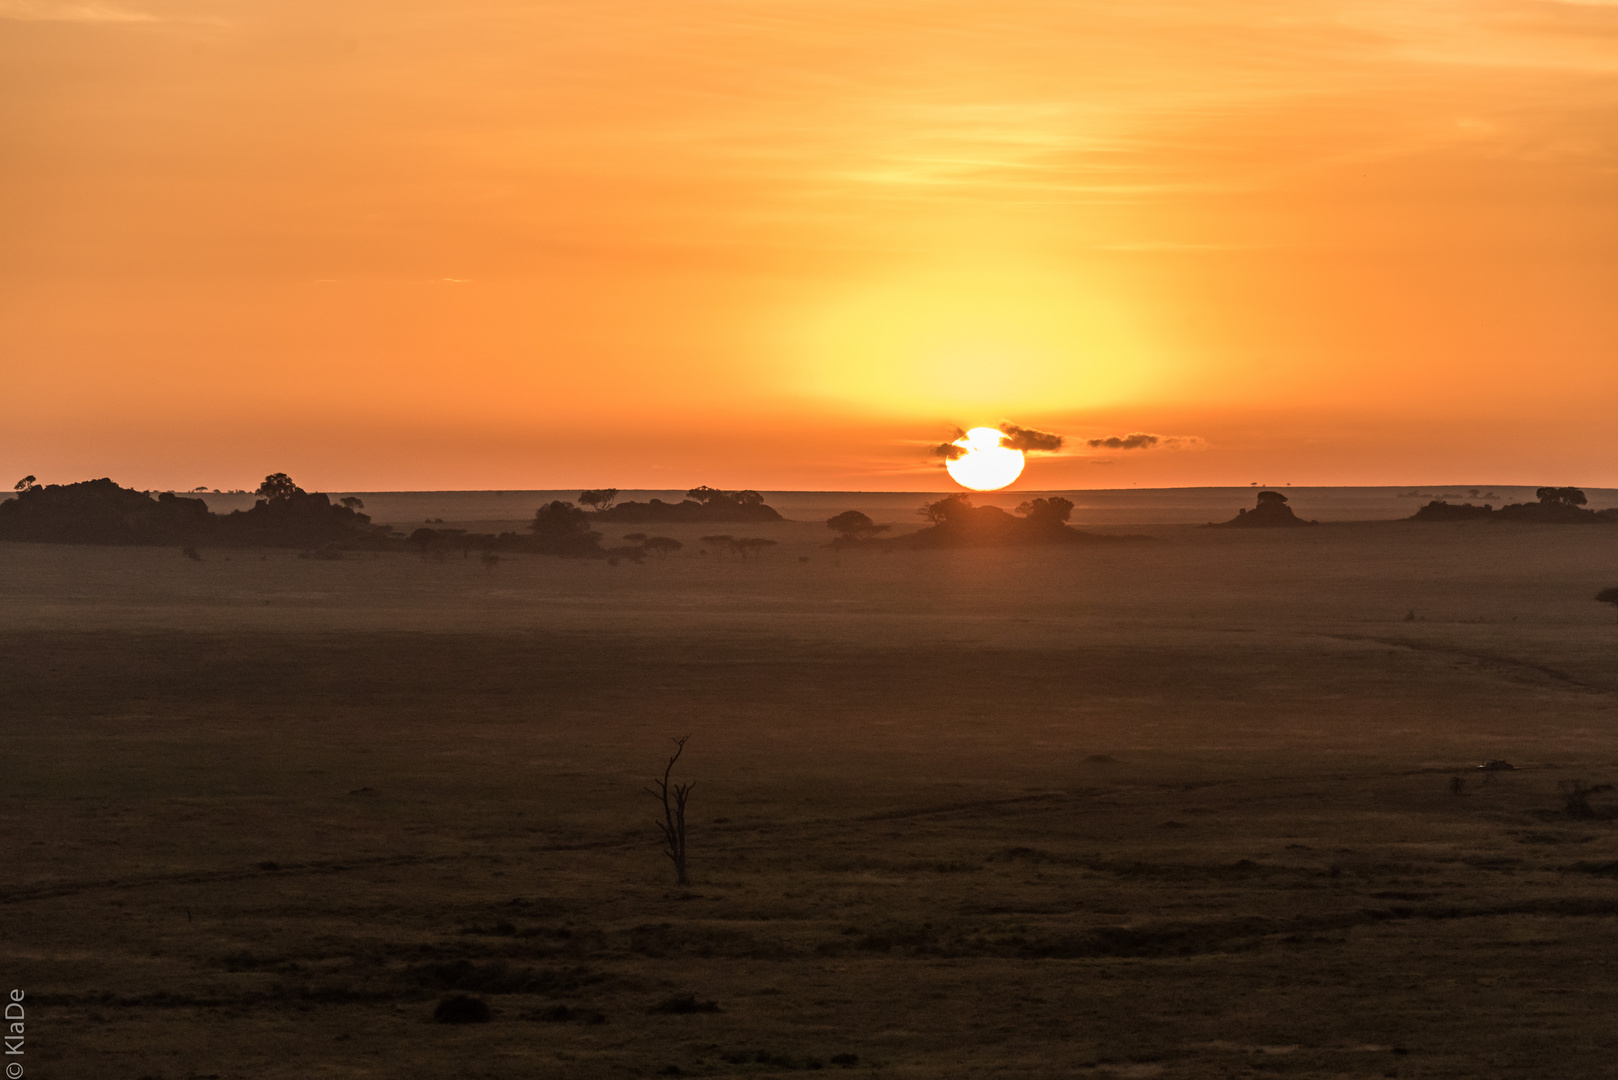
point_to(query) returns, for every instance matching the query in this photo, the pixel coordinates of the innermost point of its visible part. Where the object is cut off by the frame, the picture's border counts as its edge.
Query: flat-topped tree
(661, 546)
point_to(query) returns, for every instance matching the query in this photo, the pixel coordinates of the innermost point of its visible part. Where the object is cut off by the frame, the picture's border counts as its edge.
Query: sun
(986, 463)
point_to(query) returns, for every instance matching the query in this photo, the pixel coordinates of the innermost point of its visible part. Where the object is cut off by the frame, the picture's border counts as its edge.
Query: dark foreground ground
(1178, 812)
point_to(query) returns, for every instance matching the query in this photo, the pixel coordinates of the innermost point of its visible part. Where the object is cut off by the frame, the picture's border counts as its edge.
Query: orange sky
(791, 243)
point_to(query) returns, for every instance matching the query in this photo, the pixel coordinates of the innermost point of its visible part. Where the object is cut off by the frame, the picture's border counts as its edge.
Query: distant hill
(1272, 512)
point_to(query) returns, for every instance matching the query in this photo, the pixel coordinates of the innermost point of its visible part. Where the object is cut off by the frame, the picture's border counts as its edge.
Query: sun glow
(991, 336)
(986, 463)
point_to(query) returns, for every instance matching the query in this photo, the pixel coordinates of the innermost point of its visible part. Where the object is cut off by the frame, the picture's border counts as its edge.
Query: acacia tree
(751, 545)
(599, 499)
(673, 797)
(661, 546)
(1608, 596)
(720, 542)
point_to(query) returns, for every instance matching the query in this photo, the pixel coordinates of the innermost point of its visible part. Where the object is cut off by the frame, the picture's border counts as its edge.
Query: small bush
(462, 1009)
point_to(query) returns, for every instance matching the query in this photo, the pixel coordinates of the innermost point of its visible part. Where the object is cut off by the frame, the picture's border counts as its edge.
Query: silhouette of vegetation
(1272, 512)
(852, 527)
(1555, 506)
(598, 499)
(701, 504)
(661, 546)
(753, 546)
(352, 502)
(560, 528)
(278, 486)
(673, 797)
(1608, 596)
(24, 484)
(955, 522)
(101, 512)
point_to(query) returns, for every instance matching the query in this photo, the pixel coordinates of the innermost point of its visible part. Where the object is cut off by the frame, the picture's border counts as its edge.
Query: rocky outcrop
(1272, 512)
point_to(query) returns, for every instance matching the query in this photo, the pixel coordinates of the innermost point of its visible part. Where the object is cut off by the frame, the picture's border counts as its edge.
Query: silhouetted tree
(24, 484)
(721, 542)
(752, 545)
(949, 508)
(1568, 496)
(855, 525)
(1055, 510)
(278, 486)
(1608, 596)
(353, 502)
(661, 546)
(598, 499)
(673, 798)
(558, 518)
(747, 498)
(704, 494)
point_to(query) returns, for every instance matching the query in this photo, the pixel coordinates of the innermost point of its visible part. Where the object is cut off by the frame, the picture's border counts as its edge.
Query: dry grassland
(1179, 809)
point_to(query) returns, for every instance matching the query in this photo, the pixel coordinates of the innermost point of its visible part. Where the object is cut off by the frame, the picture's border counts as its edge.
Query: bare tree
(673, 797)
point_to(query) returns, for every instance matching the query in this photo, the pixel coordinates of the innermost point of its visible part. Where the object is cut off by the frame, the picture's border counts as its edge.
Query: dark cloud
(949, 451)
(1030, 441)
(1140, 440)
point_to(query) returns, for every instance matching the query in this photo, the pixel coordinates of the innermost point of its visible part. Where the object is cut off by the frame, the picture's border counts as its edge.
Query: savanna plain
(1177, 808)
